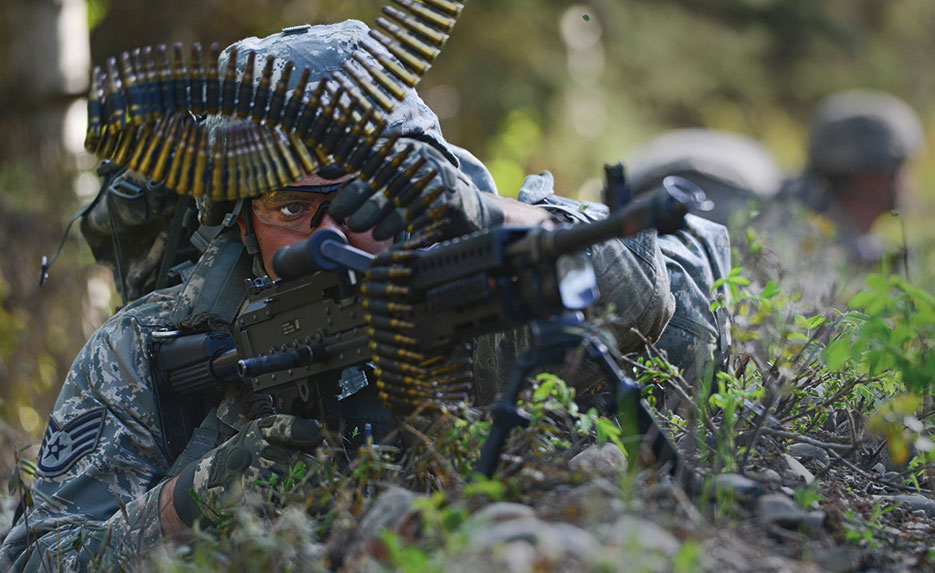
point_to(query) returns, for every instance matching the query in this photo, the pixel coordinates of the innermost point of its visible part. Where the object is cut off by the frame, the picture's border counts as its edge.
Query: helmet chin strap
(243, 206)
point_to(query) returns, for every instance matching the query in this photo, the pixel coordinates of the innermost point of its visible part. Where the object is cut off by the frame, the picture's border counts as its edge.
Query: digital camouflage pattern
(84, 506)
(266, 446)
(650, 280)
(103, 507)
(140, 218)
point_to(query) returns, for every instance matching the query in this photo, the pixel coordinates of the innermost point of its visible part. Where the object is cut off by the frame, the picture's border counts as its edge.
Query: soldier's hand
(424, 189)
(265, 446)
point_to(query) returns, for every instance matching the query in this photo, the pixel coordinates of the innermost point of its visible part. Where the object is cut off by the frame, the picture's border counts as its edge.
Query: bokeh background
(527, 85)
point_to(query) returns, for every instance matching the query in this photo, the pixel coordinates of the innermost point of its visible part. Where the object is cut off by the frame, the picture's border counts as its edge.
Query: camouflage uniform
(103, 461)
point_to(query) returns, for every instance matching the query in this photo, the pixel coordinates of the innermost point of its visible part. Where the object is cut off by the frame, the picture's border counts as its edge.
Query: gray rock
(780, 509)
(815, 520)
(555, 541)
(389, 510)
(878, 469)
(519, 556)
(836, 559)
(502, 511)
(916, 502)
(893, 477)
(606, 460)
(741, 487)
(798, 470)
(633, 532)
(807, 452)
(771, 477)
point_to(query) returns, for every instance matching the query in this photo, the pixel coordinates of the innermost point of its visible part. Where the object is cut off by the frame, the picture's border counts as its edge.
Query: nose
(328, 222)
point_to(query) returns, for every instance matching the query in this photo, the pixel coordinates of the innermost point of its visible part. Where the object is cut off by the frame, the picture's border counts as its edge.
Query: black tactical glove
(424, 189)
(263, 447)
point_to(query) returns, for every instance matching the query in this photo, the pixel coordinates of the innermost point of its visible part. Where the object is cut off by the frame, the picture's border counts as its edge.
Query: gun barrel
(663, 210)
(253, 367)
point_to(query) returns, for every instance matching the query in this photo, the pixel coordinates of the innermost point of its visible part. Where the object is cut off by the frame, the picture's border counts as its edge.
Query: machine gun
(408, 312)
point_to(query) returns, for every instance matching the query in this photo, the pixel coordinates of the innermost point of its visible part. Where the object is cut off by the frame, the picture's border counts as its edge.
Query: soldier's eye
(292, 210)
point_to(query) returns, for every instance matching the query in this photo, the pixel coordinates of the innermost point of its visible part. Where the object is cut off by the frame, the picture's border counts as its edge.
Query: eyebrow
(295, 194)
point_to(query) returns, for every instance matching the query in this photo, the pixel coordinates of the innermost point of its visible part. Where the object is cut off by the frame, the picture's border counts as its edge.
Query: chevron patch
(63, 446)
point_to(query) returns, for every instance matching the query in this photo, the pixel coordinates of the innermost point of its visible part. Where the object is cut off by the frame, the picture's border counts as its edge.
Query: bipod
(642, 436)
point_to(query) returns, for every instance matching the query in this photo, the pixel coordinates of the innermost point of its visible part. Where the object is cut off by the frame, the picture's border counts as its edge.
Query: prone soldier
(107, 481)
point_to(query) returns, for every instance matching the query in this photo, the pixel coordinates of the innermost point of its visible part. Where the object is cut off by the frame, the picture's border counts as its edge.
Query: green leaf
(837, 353)
(770, 290)
(543, 391)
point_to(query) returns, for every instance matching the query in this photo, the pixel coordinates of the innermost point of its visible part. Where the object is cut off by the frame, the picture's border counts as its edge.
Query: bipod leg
(630, 408)
(505, 414)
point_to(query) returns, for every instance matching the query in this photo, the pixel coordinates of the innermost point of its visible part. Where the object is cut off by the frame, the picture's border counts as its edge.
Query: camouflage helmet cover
(729, 159)
(862, 130)
(322, 49)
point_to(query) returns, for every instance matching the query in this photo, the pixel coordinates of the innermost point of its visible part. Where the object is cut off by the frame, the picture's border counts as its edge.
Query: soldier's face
(287, 216)
(868, 196)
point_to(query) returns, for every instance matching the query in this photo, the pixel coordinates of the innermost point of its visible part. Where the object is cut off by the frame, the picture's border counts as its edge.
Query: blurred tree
(45, 56)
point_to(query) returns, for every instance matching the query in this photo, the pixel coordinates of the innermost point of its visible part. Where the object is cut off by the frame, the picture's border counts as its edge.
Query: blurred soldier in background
(735, 171)
(820, 227)
(859, 142)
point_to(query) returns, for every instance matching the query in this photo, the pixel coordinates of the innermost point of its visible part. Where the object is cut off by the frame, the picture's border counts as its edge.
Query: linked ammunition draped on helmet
(146, 112)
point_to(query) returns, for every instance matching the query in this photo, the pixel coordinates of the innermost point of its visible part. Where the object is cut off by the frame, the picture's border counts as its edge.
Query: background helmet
(862, 131)
(731, 168)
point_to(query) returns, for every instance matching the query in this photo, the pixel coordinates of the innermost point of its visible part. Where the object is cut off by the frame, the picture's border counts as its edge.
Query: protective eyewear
(299, 209)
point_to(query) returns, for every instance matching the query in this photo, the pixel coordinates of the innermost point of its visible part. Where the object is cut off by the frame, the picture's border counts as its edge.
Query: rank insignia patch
(62, 447)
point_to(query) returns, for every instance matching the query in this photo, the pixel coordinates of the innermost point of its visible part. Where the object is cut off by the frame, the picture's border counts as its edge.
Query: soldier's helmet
(323, 49)
(732, 169)
(862, 131)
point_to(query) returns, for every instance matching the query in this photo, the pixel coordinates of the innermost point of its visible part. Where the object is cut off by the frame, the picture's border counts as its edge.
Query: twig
(847, 388)
(870, 477)
(805, 439)
(757, 430)
(681, 389)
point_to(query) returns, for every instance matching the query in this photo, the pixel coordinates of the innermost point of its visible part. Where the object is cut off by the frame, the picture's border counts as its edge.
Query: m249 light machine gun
(408, 312)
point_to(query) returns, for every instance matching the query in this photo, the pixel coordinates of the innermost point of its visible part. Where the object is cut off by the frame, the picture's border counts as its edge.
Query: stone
(555, 541)
(519, 556)
(836, 559)
(798, 470)
(878, 469)
(815, 520)
(633, 532)
(771, 477)
(741, 487)
(893, 477)
(502, 511)
(807, 452)
(780, 509)
(391, 509)
(605, 460)
(916, 502)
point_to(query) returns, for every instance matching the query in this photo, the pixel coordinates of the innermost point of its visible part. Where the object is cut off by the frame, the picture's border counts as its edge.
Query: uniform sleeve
(631, 274)
(101, 464)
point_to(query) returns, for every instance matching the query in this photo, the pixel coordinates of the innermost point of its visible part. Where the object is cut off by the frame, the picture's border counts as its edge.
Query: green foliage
(806, 496)
(895, 333)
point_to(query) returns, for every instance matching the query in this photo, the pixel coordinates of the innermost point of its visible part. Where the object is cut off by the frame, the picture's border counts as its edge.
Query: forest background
(527, 85)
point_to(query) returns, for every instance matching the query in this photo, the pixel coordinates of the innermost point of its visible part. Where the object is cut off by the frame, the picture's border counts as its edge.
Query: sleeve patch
(63, 446)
